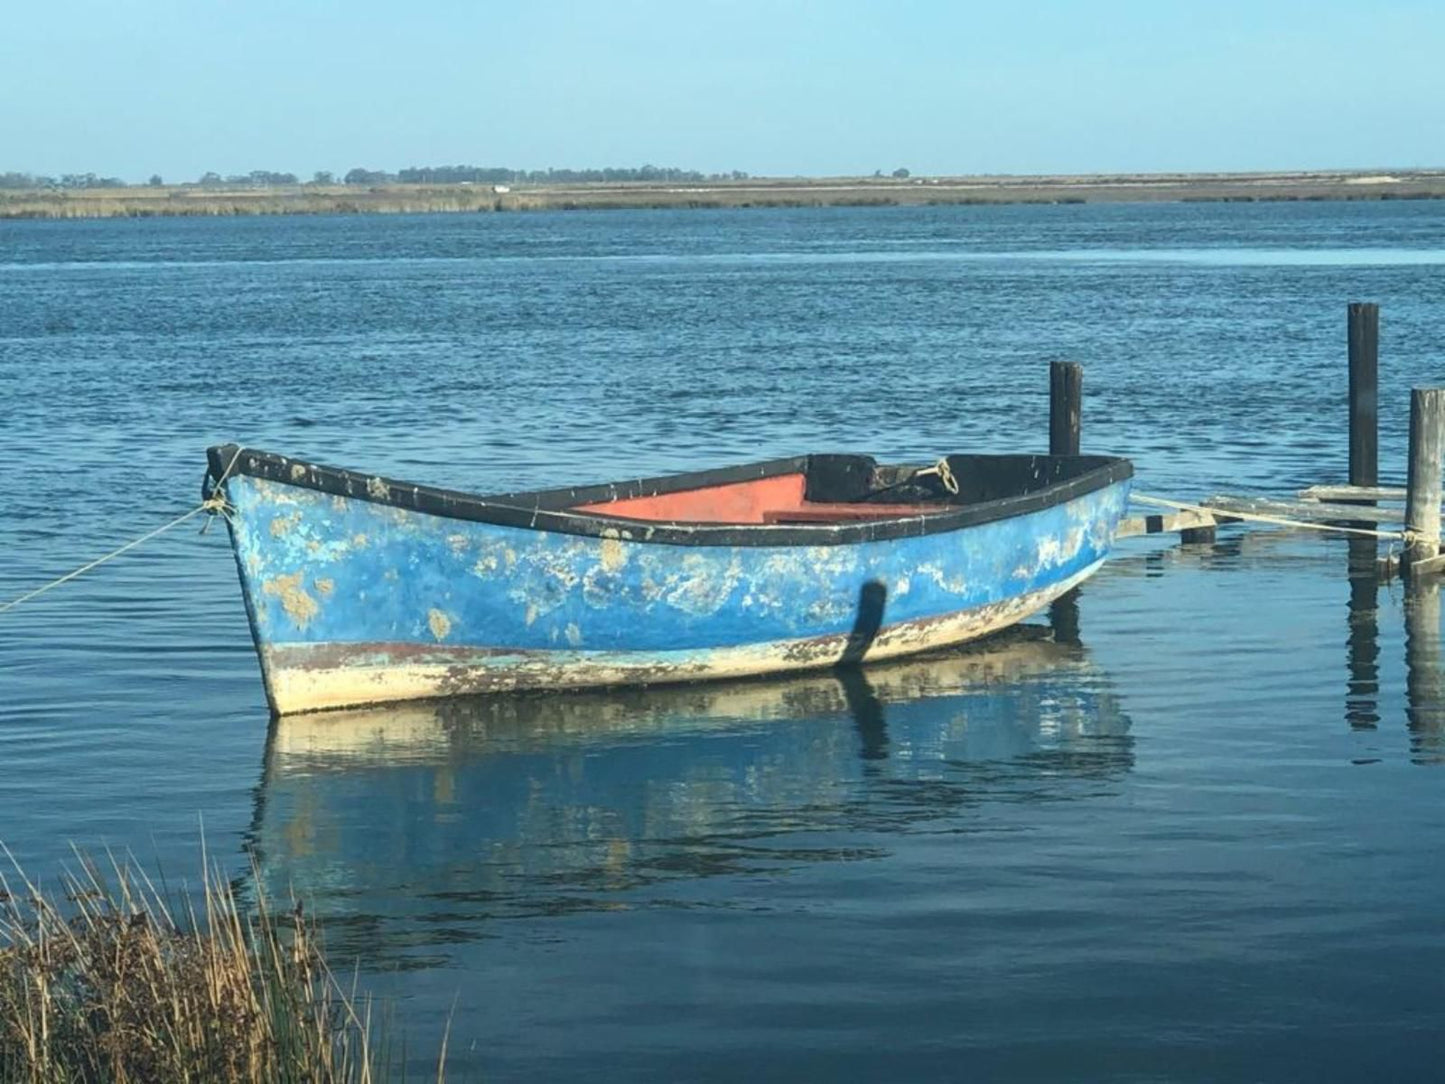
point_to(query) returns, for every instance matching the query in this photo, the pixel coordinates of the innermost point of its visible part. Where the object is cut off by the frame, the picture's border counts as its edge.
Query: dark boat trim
(545, 510)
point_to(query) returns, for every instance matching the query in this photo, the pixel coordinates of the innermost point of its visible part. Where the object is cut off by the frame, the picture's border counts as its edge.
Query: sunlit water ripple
(1200, 844)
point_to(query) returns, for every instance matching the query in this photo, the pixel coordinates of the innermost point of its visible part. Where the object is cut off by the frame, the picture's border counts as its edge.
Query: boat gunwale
(549, 509)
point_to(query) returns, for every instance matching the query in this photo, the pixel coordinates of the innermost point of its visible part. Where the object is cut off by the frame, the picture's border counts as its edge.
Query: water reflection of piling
(1362, 697)
(1424, 682)
(867, 712)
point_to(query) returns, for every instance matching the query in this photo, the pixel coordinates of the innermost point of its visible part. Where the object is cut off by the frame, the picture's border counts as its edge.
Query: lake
(1201, 839)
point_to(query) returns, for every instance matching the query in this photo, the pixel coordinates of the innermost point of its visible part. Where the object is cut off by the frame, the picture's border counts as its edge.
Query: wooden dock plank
(1310, 511)
(1353, 493)
(1169, 523)
(1431, 566)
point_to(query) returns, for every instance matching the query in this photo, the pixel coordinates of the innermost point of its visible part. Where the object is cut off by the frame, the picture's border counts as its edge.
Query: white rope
(212, 505)
(945, 475)
(217, 499)
(1278, 521)
(216, 503)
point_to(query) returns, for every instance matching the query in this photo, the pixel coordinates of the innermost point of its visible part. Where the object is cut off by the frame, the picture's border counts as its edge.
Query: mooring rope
(1278, 521)
(214, 502)
(944, 472)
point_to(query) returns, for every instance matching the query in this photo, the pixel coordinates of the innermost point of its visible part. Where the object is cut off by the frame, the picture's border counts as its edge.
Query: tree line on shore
(263, 178)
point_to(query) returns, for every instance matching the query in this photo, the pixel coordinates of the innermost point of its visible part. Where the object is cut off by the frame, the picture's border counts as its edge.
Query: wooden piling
(1364, 337)
(1066, 412)
(1066, 400)
(1422, 497)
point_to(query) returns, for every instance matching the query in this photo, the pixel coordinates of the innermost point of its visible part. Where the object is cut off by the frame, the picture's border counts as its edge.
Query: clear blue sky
(132, 87)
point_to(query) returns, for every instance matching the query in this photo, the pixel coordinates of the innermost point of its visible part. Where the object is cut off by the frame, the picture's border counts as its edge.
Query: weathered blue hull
(354, 600)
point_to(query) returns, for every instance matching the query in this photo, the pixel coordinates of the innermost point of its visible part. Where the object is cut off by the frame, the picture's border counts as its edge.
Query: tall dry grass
(111, 984)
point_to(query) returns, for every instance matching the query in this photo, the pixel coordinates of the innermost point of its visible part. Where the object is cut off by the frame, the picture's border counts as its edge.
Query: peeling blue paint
(323, 569)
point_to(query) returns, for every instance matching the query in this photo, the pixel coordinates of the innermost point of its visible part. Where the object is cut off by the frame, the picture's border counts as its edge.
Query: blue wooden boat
(362, 589)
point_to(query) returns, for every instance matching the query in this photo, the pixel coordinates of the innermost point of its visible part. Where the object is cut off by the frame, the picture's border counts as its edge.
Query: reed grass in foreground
(111, 984)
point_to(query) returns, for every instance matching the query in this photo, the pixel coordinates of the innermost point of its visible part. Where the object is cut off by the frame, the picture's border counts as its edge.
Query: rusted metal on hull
(318, 678)
(358, 596)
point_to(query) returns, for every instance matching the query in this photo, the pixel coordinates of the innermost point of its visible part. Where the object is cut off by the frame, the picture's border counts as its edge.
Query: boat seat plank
(820, 512)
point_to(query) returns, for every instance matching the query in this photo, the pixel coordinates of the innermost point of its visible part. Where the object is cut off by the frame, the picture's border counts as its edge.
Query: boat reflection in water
(425, 819)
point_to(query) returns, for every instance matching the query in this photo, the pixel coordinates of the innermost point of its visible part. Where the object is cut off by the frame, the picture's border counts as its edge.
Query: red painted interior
(739, 502)
(763, 500)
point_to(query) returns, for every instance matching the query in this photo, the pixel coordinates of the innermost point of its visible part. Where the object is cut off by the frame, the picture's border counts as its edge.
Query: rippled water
(1202, 841)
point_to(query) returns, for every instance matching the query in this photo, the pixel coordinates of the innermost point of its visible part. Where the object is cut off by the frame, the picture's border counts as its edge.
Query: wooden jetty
(1367, 512)
(1361, 507)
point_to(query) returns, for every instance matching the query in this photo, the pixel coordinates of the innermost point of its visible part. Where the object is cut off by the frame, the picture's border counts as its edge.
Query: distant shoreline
(194, 200)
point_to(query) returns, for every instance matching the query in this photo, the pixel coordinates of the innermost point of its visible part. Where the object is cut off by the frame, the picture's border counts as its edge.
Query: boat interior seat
(850, 489)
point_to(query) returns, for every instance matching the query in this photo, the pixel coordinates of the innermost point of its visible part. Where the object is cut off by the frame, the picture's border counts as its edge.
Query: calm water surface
(1203, 840)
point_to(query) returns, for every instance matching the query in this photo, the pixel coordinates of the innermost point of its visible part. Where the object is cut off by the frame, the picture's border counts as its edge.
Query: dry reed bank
(110, 981)
(147, 201)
